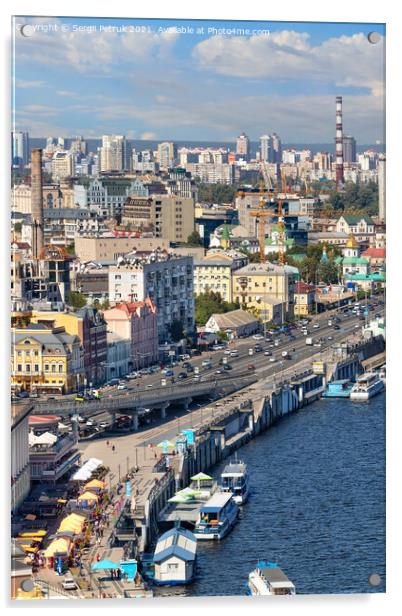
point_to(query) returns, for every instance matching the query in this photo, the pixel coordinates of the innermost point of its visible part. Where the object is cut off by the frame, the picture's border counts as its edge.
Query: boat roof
(216, 502)
(339, 382)
(275, 577)
(234, 468)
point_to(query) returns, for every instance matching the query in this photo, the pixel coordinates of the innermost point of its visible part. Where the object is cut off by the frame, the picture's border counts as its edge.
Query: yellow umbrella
(95, 484)
(58, 546)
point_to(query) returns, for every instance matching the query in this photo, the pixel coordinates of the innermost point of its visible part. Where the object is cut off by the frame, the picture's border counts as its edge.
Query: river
(317, 506)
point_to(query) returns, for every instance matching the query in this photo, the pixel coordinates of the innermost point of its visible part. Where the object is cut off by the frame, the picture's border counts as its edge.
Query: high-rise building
(349, 149)
(339, 144)
(62, 165)
(167, 153)
(265, 147)
(381, 187)
(113, 153)
(276, 149)
(20, 148)
(243, 145)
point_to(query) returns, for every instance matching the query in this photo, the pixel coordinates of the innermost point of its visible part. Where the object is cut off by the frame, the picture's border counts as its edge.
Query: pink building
(137, 322)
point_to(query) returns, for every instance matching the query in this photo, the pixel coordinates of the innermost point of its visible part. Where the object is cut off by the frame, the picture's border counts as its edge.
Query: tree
(328, 272)
(76, 299)
(210, 303)
(18, 227)
(194, 239)
(71, 249)
(216, 193)
(176, 330)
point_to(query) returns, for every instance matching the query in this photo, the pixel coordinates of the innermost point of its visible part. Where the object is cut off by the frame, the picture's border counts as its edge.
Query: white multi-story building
(20, 148)
(166, 154)
(62, 165)
(113, 153)
(21, 198)
(167, 280)
(20, 468)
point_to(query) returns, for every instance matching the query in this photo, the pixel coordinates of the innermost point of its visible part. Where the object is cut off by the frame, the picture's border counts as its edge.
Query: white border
(292, 10)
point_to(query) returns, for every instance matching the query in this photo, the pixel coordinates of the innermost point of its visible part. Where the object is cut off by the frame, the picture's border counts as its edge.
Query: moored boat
(216, 517)
(338, 389)
(235, 479)
(367, 386)
(268, 579)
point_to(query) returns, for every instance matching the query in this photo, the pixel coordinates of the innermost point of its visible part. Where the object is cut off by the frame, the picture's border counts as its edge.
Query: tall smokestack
(339, 144)
(381, 187)
(36, 202)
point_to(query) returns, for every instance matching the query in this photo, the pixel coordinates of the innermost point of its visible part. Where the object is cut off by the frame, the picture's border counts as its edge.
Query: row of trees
(216, 193)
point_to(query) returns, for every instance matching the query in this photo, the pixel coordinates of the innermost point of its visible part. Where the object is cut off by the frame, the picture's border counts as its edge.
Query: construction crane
(262, 213)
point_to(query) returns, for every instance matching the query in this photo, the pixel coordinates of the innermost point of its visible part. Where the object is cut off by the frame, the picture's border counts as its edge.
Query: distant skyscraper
(167, 154)
(19, 148)
(265, 147)
(243, 145)
(339, 144)
(349, 149)
(276, 149)
(113, 153)
(381, 187)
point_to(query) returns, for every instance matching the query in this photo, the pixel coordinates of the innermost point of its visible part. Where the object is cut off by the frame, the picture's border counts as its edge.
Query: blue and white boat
(235, 479)
(175, 557)
(367, 386)
(338, 389)
(268, 579)
(216, 517)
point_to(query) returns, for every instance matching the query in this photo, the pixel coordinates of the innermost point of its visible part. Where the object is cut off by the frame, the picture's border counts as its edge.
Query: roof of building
(303, 287)
(70, 213)
(234, 318)
(375, 253)
(177, 542)
(351, 260)
(354, 219)
(265, 269)
(216, 502)
(352, 242)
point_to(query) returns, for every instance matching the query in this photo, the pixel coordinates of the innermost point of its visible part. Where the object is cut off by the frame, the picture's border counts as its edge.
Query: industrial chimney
(381, 187)
(339, 144)
(36, 202)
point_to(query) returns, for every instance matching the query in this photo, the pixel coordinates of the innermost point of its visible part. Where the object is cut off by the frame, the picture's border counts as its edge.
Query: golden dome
(352, 243)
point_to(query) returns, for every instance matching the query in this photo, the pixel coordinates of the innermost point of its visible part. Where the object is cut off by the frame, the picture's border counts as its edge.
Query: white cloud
(22, 83)
(148, 136)
(66, 93)
(344, 61)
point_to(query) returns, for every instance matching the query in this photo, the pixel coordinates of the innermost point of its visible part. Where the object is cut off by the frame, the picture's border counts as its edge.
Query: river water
(317, 506)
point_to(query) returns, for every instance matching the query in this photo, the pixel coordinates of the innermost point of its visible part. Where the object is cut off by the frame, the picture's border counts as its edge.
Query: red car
(251, 367)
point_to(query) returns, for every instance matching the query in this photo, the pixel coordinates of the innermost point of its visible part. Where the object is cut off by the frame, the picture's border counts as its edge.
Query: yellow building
(214, 272)
(46, 360)
(304, 298)
(266, 288)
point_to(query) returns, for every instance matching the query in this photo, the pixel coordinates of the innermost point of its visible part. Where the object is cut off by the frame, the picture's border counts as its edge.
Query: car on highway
(195, 352)
(292, 337)
(268, 353)
(250, 367)
(91, 423)
(78, 418)
(182, 375)
(258, 337)
(218, 347)
(187, 365)
(69, 583)
(234, 353)
(167, 372)
(206, 363)
(122, 386)
(103, 424)
(227, 367)
(357, 326)
(81, 398)
(336, 327)
(377, 315)
(150, 384)
(272, 359)
(219, 371)
(227, 352)
(317, 344)
(190, 368)
(113, 382)
(329, 338)
(316, 326)
(258, 348)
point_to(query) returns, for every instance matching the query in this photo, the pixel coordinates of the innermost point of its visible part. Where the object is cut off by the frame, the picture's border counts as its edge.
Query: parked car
(122, 386)
(69, 583)
(167, 372)
(91, 423)
(103, 424)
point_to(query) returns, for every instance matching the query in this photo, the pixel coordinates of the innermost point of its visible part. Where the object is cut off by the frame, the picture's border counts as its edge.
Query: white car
(122, 386)
(234, 353)
(104, 424)
(258, 337)
(69, 583)
(227, 352)
(272, 359)
(90, 423)
(316, 326)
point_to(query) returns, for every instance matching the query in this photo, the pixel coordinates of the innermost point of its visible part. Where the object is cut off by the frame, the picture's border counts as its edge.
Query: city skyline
(186, 86)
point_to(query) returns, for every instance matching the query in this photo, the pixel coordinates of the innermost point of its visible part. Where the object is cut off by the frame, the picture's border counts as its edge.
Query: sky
(189, 80)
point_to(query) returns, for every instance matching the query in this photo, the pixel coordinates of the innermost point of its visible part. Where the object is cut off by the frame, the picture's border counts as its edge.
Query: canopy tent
(95, 485)
(179, 498)
(33, 533)
(85, 472)
(88, 499)
(58, 547)
(200, 477)
(104, 565)
(47, 438)
(73, 523)
(165, 445)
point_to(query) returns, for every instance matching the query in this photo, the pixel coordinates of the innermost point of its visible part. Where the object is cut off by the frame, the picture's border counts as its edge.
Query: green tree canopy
(210, 303)
(76, 299)
(194, 239)
(217, 193)
(177, 331)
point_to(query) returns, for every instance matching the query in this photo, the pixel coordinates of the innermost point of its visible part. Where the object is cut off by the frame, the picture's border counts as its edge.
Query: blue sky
(72, 78)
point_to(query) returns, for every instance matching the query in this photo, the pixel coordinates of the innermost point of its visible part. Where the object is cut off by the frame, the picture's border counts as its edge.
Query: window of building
(53, 367)
(19, 367)
(173, 566)
(46, 367)
(36, 367)
(28, 368)
(60, 367)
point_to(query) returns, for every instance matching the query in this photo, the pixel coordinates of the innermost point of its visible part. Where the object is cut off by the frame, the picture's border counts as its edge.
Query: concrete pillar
(163, 410)
(134, 421)
(186, 403)
(113, 416)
